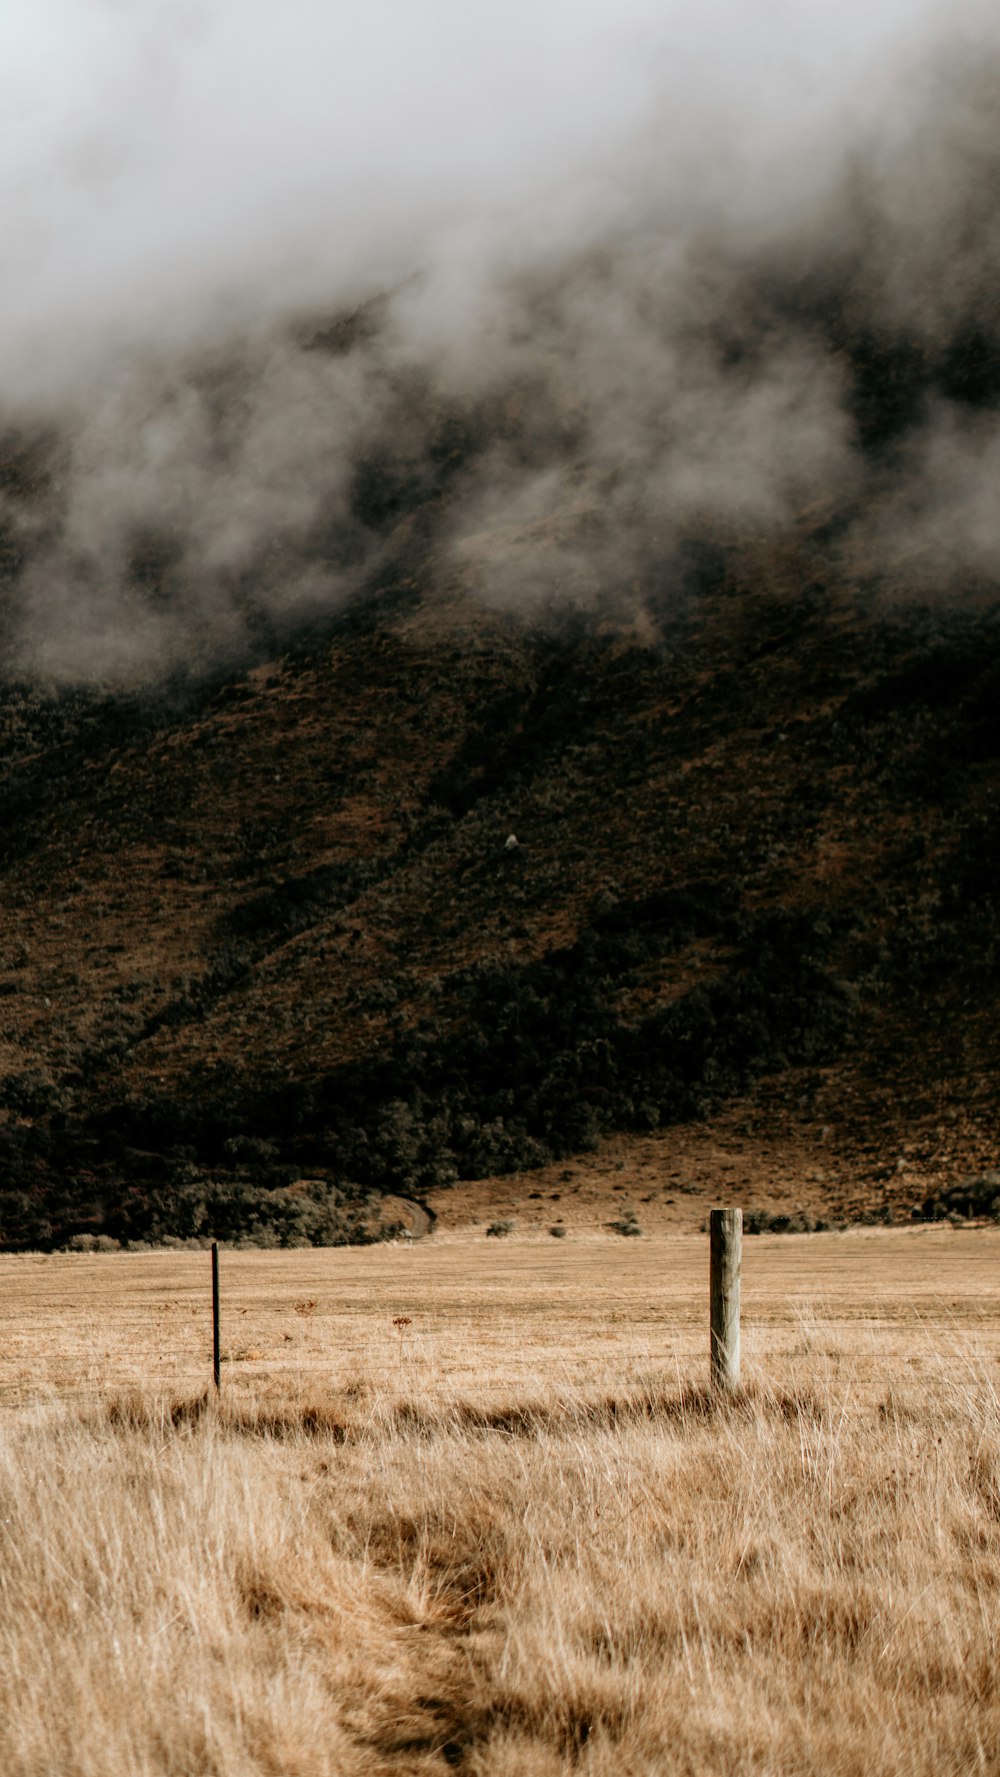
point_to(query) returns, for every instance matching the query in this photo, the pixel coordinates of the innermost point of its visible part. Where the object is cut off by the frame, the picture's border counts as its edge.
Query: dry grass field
(465, 1504)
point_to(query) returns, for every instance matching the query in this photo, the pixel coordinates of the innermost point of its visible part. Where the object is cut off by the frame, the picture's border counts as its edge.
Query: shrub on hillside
(627, 1224)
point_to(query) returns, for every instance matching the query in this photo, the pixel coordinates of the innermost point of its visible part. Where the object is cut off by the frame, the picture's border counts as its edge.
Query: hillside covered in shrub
(434, 893)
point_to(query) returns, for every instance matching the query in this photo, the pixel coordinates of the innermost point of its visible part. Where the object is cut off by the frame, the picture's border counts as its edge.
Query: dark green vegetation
(266, 949)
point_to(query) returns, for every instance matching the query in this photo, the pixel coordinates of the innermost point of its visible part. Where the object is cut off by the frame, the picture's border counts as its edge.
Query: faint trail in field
(413, 1217)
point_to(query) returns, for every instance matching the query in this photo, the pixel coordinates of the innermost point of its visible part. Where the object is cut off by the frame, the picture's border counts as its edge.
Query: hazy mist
(541, 290)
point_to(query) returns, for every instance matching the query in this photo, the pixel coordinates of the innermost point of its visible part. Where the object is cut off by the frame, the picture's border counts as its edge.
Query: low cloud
(535, 298)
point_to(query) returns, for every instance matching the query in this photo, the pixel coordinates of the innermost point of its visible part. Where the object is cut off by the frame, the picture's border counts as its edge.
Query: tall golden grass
(513, 1536)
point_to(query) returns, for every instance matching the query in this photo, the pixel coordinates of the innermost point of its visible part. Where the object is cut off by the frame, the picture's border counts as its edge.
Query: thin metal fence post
(216, 1354)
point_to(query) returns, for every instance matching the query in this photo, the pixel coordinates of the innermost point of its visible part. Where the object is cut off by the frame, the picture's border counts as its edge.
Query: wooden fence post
(726, 1242)
(216, 1355)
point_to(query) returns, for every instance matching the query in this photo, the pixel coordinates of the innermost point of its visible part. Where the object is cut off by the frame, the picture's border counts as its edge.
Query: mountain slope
(271, 929)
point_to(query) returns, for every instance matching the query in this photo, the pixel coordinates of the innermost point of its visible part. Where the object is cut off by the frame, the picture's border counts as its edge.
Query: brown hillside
(273, 929)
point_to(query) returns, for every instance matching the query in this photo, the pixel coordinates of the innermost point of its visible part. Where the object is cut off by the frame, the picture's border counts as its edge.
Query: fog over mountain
(292, 299)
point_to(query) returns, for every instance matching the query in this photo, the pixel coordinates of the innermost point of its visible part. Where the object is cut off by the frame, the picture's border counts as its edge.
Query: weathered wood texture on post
(216, 1353)
(726, 1243)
